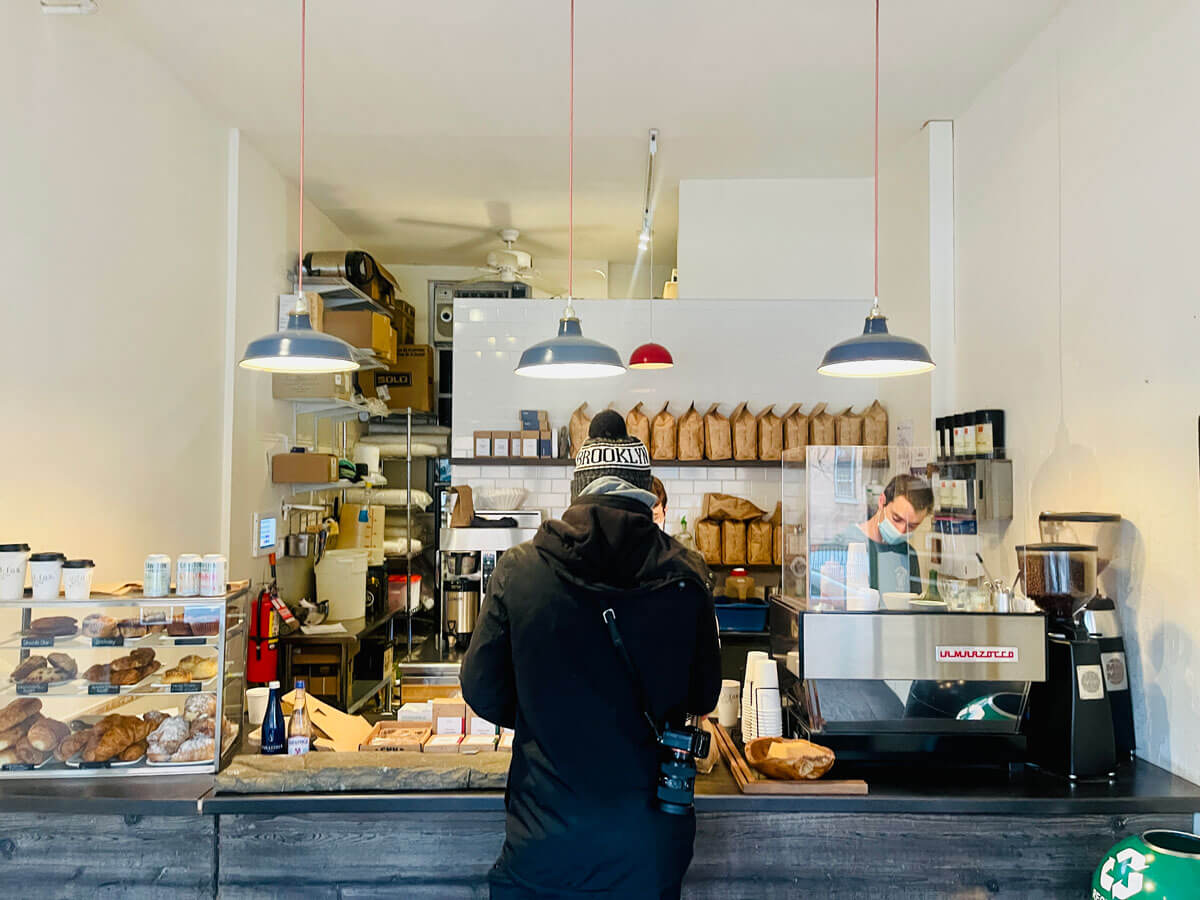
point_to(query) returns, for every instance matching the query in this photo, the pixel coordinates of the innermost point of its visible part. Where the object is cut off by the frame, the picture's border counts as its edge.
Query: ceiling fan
(510, 264)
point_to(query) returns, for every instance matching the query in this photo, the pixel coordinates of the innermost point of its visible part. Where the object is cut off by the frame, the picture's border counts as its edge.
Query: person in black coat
(582, 818)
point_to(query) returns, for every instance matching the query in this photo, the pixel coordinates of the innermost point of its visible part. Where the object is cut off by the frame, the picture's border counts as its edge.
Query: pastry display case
(121, 684)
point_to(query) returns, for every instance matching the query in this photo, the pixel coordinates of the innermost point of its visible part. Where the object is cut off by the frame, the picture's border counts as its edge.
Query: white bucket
(342, 580)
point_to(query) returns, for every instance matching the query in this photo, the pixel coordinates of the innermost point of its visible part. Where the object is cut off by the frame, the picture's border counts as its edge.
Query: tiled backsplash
(549, 487)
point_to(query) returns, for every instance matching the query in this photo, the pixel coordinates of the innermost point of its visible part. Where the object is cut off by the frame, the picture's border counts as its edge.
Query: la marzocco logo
(977, 654)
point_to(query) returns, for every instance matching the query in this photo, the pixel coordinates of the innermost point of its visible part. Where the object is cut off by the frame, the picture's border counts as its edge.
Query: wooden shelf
(665, 463)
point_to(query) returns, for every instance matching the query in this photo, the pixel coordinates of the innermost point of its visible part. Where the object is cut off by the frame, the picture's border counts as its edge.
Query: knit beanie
(609, 450)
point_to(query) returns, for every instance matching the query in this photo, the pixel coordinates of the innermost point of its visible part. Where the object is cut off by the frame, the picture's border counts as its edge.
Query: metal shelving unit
(338, 293)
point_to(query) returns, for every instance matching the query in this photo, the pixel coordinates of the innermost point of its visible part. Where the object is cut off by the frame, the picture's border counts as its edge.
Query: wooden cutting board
(344, 732)
(750, 781)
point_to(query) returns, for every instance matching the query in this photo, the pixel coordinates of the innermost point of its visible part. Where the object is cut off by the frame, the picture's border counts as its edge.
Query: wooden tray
(751, 782)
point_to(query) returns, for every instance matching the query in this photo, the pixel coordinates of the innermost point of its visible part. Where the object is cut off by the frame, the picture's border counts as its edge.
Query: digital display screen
(266, 533)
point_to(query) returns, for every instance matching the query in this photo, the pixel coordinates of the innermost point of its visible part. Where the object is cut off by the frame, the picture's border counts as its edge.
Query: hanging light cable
(650, 356)
(298, 349)
(569, 354)
(876, 353)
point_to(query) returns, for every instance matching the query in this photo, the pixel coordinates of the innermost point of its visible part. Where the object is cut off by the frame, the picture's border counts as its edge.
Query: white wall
(267, 233)
(1124, 439)
(775, 238)
(112, 325)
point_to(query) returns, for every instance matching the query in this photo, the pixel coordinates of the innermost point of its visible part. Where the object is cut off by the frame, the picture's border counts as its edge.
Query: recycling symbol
(1127, 879)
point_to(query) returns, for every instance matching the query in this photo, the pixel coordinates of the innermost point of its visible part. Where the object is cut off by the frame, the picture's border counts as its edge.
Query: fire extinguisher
(262, 648)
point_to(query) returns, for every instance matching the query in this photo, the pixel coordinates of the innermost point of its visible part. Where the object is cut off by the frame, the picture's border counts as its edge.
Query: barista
(660, 507)
(902, 507)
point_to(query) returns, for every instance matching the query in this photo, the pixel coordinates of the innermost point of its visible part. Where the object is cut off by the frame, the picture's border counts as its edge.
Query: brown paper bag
(849, 428)
(733, 543)
(777, 545)
(725, 506)
(464, 507)
(708, 541)
(745, 433)
(795, 433)
(822, 427)
(776, 516)
(691, 435)
(770, 434)
(718, 442)
(758, 542)
(580, 423)
(662, 435)
(875, 433)
(637, 423)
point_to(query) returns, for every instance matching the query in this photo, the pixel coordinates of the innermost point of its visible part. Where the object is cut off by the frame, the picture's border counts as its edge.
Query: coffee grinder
(1101, 617)
(1069, 720)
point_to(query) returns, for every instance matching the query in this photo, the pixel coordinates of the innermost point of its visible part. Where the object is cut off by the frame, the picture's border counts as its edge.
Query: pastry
(205, 669)
(179, 629)
(125, 676)
(47, 674)
(157, 628)
(54, 626)
(26, 666)
(97, 674)
(131, 628)
(178, 675)
(206, 629)
(121, 663)
(207, 725)
(71, 744)
(14, 735)
(27, 754)
(196, 749)
(46, 734)
(133, 752)
(794, 760)
(8, 757)
(119, 735)
(18, 711)
(97, 625)
(155, 717)
(65, 664)
(198, 706)
(143, 656)
(150, 669)
(167, 737)
(189, 662)
(156, 753)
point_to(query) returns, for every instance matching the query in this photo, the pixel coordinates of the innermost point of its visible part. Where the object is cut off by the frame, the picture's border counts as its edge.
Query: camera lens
(676, 785)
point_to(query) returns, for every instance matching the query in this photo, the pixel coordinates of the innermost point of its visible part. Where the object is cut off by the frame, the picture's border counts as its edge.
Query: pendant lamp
(876, 353)
(650, 356)
(298, 349)
(569, 354)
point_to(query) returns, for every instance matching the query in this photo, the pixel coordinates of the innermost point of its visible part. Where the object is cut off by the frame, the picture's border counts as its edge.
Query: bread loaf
(18, 711)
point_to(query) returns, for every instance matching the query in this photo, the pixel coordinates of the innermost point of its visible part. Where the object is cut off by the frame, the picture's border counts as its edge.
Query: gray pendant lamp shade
(298, 349)
(570, 354)
(876, 353)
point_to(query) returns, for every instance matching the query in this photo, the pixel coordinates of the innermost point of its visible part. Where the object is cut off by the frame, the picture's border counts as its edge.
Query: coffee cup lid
(47, 557)
(14, 548)
(79, 564)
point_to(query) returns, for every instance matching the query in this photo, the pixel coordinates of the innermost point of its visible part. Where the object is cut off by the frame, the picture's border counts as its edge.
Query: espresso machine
(1101, 617)
(1069, 719)
(466, 560)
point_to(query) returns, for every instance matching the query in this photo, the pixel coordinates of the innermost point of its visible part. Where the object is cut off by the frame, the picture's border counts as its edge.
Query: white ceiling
(432, 123)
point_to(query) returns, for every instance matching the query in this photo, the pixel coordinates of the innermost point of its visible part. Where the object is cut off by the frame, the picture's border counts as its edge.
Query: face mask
(889, 532)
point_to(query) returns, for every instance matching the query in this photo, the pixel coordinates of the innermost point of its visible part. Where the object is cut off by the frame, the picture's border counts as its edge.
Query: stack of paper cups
(768, 711)
(858, 568)
(753, 658)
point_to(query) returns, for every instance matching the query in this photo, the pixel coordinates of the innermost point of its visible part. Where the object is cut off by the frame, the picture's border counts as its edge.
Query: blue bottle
(274, 729)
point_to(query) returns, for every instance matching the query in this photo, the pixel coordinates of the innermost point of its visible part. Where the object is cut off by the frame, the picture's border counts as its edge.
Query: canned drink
(187, 575)
(156, 577)
(213, 575)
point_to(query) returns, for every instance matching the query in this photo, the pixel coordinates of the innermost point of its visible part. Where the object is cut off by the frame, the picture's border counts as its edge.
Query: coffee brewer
(1101, 616)
(1069, 719)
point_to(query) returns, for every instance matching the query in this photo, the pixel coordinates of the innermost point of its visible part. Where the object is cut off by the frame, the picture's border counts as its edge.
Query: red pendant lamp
(650, 356)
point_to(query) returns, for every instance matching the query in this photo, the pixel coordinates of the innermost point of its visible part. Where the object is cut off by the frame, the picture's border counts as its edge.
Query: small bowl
(898, 601)
(927, 605)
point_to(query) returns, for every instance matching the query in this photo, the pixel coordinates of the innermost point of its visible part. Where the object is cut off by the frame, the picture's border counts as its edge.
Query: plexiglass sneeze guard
(886, 621)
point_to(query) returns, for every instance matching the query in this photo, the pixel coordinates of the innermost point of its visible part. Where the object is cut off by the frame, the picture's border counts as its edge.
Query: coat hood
(610, 541)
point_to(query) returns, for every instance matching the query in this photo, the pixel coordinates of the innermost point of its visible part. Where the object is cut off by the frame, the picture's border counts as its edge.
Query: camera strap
(610, 620)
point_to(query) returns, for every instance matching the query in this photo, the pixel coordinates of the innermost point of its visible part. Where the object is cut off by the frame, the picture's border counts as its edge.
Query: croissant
(112, 741)
(133, 752)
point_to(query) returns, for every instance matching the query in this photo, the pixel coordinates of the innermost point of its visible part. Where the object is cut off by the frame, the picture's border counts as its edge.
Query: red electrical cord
(300, 254)
(571, 166)
(877, 150)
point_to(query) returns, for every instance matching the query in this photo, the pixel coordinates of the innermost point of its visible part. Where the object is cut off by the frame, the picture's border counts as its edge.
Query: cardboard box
(477, 725)
(545, 445)
(303, 468)
(415, 712)
(330, 386)
(505, 744)
(529, 444)
(404, 317)
(361, 328)
(500, 443)
(483, 443)
(449, 715)
(535, 420)
(393, 344)
(442, 743)
(397, 736)
(515, 447)
(316, 309)
(478, 743)
(409, 382)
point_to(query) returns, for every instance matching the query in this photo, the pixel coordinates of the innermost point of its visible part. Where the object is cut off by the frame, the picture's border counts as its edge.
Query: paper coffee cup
(256, 704)
(728, 703)
(77, 578)
(45, 574)
(13, 560)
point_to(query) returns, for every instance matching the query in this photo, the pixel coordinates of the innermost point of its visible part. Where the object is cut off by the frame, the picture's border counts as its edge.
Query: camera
(676, 791)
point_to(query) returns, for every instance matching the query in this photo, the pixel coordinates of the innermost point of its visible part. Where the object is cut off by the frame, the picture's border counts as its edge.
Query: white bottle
(300, 728)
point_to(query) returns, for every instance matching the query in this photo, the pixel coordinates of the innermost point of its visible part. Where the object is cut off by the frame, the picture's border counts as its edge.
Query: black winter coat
(580, 798)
